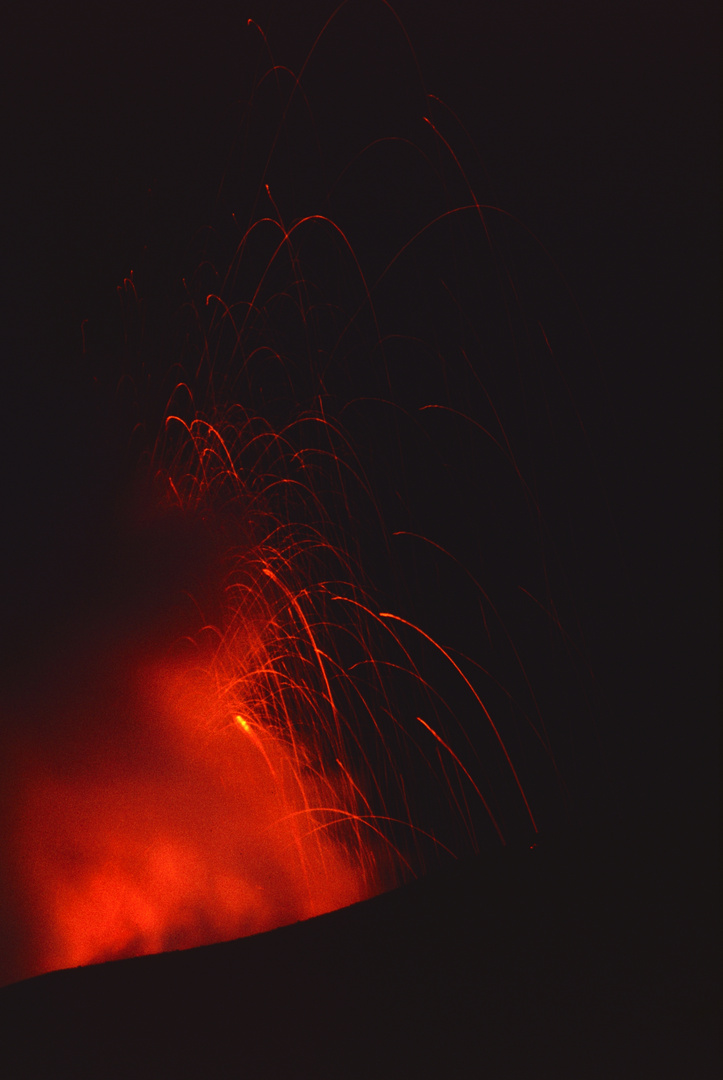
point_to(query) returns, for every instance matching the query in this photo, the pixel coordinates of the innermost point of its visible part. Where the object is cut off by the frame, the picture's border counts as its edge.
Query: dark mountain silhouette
(564, 961)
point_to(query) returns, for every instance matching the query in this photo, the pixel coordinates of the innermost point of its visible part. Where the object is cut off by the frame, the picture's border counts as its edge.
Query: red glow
(174, 826)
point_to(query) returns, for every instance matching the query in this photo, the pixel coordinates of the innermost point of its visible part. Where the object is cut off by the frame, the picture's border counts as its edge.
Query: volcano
(562, 961)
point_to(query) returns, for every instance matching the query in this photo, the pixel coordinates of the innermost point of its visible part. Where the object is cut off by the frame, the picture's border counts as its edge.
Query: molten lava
(154, 820)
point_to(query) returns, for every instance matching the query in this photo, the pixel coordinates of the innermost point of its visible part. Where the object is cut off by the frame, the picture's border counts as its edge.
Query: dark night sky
(597, 125)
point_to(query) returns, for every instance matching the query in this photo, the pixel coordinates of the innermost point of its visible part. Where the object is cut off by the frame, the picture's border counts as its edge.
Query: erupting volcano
(312, 572)
(287, 688)
(290, 686)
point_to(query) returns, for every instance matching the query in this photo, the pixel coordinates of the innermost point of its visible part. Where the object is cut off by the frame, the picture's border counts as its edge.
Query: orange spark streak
(467, 773)
(478, 699)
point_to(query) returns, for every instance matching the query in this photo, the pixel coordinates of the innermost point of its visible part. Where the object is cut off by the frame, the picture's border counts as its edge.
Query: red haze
(152, 808)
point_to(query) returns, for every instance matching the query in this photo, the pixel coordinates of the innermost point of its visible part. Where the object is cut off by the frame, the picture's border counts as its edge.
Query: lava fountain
(291, 691)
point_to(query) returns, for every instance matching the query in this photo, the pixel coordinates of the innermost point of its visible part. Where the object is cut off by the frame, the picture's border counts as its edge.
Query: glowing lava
(174, 825)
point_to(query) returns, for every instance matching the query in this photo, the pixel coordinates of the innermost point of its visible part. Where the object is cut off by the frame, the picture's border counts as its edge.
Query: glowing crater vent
(172, 828)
